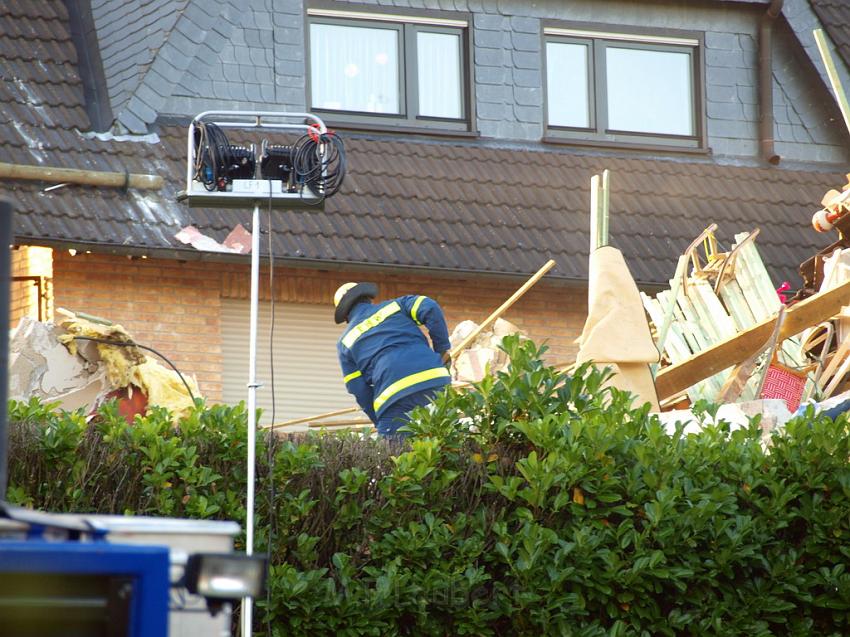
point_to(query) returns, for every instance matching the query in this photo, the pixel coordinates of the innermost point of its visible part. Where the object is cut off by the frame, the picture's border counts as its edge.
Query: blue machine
(62, 578)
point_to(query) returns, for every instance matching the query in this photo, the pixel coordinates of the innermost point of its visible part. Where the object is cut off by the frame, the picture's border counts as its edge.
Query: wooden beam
(77, 176)
(676, 378)
(832, 73)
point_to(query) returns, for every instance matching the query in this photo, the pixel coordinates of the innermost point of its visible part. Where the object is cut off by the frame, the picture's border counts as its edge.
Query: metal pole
(5, 278)
(253, 385)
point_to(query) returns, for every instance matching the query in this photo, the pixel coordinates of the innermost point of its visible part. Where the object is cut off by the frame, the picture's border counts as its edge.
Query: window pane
(650, 91)
(438, 61)
(354, 68)
(566, 84)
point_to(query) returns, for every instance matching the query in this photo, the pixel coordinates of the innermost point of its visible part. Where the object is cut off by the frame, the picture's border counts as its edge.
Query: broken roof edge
(183, 254)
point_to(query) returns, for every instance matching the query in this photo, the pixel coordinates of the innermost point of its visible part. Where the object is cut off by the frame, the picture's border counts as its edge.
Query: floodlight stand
(253, 192)
(253, 385)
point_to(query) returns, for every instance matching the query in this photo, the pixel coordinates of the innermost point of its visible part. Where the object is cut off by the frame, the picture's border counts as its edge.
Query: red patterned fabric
(784, 383)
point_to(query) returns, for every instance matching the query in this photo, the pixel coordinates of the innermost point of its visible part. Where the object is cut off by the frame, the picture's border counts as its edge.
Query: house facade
(472, 129)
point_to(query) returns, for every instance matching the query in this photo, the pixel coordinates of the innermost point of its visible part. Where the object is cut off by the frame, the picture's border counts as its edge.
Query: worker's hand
(447, 359)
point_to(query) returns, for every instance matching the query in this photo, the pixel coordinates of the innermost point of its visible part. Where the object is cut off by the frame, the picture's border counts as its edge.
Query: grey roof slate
(835, 16)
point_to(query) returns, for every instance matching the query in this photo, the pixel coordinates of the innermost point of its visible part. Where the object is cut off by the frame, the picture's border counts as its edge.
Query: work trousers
(398, 413)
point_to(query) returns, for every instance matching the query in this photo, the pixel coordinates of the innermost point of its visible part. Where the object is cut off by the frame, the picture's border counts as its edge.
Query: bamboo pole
(299, 421)
(504, 307)
(454, 351)
(832, 73)
(606, 199)
(77, 176)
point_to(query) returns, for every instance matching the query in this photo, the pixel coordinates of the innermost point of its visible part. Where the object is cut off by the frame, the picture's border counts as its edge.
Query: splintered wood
(729, 294)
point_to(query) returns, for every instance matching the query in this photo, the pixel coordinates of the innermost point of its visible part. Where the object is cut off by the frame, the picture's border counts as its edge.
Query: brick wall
(174, 306)
(171, 306)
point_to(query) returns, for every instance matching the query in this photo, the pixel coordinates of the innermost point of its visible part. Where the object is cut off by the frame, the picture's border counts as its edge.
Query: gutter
(186, 255)
(765, 72)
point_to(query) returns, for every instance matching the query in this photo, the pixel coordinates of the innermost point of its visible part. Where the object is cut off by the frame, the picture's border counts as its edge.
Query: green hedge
(536, 504)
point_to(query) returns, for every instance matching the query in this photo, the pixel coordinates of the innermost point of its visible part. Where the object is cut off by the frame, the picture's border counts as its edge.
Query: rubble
(773, 411)
(58, 363)
(40, 365)
(482, 356)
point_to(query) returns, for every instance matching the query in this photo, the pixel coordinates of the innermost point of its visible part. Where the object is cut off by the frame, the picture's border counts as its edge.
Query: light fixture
(225, 576)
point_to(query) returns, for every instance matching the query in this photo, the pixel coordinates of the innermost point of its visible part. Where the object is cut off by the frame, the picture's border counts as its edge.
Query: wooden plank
(733, 298)
(595, 213)
(740, 376)
(819, 307)
(762, 288)
(750, 267)
(667, 316)
(675, 346)
(712, 309)
(694, 333)
(713, 314)
(832, 73)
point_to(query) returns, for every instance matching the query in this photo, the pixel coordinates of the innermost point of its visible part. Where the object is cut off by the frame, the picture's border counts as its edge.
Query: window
(388, 69)
(623, 88)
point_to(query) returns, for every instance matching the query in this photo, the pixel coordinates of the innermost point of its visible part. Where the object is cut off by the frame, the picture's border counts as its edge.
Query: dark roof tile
(835, 16)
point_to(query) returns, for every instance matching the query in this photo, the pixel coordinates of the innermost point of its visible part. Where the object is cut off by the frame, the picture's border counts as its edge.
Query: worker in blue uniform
(386, 361)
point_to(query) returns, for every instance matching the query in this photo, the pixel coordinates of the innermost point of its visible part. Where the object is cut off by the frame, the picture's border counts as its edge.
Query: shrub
(535, 504)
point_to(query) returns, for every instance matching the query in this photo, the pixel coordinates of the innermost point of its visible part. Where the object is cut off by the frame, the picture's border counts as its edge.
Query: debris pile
(82, 361)
(728, 293)
(729, 335)
(483, 355)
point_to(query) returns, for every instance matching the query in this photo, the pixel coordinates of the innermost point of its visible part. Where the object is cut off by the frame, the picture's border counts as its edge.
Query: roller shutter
(307, 377)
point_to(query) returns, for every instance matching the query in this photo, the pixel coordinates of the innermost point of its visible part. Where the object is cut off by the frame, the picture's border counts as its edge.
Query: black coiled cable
(216, 160)
(318, 161)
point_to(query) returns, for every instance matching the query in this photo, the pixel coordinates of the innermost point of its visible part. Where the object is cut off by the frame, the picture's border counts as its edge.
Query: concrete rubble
(40, 366)
(53, 363)
(773, 411)
(483, 355)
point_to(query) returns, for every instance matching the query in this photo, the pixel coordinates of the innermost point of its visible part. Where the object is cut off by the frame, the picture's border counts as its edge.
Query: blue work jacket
(385, 356)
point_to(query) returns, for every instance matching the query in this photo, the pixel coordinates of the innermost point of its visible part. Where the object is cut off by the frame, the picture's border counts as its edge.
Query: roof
(835, 17)
(465, 206)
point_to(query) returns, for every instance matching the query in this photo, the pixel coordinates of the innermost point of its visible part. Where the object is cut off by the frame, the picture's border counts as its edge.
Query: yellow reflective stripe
(416, 307)
(352, 376)
(367, 324)
(409, 381)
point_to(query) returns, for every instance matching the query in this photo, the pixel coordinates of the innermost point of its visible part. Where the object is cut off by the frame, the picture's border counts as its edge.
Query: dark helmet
(348, 294)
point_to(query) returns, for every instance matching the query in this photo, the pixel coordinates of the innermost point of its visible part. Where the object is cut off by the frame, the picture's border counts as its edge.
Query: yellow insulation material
(119, 360)
(163, 387)
(127, 364)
